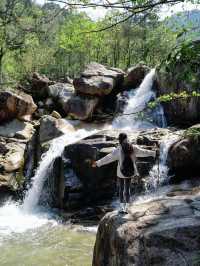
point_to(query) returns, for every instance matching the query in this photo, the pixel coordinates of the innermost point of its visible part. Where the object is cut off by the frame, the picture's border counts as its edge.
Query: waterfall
(56, 148)
(159, 172)
(136, 115)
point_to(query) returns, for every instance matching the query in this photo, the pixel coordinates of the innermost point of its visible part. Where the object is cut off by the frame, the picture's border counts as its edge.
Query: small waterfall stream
(56, 148)
(136, 115)
(159, 173)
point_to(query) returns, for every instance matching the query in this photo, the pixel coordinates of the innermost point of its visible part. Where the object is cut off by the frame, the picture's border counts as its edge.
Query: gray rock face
(60, 90)
(135, 76)
(39, 86)
(98, 80)
(81, 108)
(51, 128)
(159, 233)
(184, 154)
(14, 137)
(15, 105)
(17, 129)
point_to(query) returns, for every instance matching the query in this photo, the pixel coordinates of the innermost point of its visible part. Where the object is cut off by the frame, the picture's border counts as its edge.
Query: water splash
(159, 173)
(14, 219)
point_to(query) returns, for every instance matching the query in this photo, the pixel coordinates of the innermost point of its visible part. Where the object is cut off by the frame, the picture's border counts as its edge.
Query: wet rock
(121, 102)
(51, 128)
(158, 232)
(80, 107)
(98, 80)
(135, 76)
(15, 105)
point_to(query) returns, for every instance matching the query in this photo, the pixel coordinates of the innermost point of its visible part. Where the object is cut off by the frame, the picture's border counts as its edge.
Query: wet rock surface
(164, 231)
(135, 76)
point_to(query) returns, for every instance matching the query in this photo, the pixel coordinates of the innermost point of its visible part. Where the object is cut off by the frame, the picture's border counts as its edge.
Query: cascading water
(159, 173)
(19, 218)
(135, 115)
(56, 148)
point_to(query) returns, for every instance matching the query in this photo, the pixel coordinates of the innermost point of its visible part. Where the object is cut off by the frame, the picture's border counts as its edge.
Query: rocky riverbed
(50, 132)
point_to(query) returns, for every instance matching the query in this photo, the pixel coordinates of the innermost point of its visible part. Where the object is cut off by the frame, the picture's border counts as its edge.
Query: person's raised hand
(94, 164)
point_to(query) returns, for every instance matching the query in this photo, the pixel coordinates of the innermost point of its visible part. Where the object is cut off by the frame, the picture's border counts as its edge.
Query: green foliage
(183, 63)
(59, 43)
(192, 133)
(173, 96)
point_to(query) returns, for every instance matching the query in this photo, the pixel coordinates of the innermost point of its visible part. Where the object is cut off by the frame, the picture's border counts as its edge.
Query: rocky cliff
(160, 232)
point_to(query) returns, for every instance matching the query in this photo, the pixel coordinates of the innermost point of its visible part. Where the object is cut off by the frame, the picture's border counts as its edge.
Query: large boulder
(180, 72)
(99, 80)
(135, 76)
(61, 93)
(81, 107)
(17, 129)
(87, 185)
(183, 157)
(14, 138)
(15, 105)
(160, 232)
(51, 128)
(39, 86)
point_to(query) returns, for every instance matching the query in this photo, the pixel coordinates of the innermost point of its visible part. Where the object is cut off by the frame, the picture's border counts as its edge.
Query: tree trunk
(1, 65)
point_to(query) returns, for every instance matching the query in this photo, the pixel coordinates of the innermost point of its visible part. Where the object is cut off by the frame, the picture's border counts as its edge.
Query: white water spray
(137, 102)
(56, 148)
(159, 172)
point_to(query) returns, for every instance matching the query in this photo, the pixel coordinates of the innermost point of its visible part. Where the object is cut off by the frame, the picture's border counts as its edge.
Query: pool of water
(40, 239)
(48, 245)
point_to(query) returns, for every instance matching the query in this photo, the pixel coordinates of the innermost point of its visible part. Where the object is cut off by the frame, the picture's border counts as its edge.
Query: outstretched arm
(111, 157)
(139, 152)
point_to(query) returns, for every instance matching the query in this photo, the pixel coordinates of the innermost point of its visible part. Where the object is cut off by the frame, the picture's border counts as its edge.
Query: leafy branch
(173, 96)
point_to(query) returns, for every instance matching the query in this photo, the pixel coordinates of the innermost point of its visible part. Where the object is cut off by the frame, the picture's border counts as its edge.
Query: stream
(32, 236)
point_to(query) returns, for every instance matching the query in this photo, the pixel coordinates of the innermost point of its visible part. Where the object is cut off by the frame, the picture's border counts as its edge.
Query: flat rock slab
(160, 232)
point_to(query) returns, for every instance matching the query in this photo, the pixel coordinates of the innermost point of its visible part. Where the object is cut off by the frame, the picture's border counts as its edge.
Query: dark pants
(124, 189)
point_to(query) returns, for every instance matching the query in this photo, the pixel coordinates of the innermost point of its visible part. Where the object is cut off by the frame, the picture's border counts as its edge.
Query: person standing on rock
(126, 155)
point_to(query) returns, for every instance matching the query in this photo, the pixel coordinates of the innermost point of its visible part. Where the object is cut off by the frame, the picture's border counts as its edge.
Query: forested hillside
(60, 42)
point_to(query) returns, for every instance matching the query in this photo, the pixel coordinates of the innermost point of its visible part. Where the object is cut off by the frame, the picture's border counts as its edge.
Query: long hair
(122, 137)
(127, 148)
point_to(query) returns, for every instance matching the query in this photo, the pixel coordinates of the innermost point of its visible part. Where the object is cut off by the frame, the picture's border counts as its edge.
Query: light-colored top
(117, 155)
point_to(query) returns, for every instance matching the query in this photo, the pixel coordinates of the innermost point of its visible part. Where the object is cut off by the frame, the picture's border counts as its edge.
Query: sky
(166, 11)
